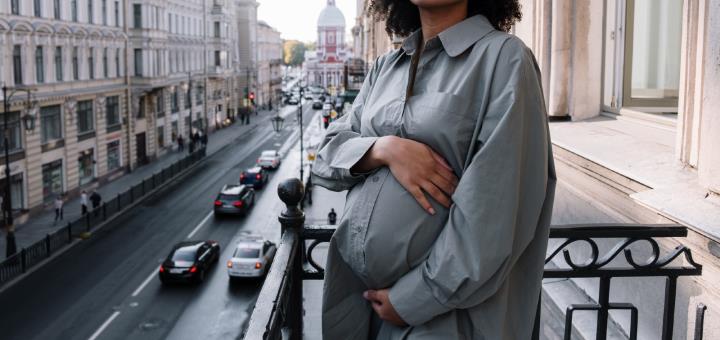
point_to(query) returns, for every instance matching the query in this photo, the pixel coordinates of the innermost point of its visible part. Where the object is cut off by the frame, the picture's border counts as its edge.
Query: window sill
(113, 128)
(85, 136)
(14, 155)
(644, 153)
(53, 145)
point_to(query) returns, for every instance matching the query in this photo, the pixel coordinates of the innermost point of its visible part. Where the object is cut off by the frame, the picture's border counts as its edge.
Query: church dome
(331, 17)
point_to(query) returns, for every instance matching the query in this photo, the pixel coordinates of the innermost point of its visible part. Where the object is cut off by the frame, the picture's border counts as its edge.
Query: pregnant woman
(446, 155)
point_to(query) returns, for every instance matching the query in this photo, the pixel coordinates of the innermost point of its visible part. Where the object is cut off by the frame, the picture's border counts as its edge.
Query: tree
(293, 52)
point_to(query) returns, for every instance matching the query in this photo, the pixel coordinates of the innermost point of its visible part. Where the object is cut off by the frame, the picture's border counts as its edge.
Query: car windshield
(224, 197)
(268, 154)
(184, 254)
(247, 253)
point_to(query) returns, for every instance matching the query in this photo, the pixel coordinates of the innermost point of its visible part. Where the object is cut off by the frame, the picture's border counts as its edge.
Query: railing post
(669, 312)
(47, 245)
(104, 209)
(132, 195)
(603, 301)
(23, 260)
(291, 192)
(87, 222)
(69, 227)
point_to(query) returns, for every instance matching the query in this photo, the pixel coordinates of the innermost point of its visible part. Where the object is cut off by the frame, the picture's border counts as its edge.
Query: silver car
(269, 159)
(252, 258)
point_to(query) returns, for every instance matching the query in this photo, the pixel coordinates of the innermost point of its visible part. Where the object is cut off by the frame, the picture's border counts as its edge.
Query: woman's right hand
(417, 168)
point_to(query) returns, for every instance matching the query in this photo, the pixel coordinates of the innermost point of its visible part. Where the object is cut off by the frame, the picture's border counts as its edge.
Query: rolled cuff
(351, 152)
(413, 300)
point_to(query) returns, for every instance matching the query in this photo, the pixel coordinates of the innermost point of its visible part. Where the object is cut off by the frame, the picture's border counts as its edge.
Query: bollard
(292, 219)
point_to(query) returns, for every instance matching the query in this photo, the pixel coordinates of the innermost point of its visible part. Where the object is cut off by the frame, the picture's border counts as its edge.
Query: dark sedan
(189, 261)
(234, 199)
(255, 177)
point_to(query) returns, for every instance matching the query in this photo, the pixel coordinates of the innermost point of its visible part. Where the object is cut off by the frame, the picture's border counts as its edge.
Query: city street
(107, 287)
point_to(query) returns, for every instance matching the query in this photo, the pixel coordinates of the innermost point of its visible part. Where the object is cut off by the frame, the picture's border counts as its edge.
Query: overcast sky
(297, 19)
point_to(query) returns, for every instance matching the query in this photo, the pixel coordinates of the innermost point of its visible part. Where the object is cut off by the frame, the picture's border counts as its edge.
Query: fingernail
(365, 294)
(431, 211)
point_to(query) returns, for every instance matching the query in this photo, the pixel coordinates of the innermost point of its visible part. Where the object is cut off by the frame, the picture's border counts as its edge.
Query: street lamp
(300, 115)
(188, 87)
(277, 123)
(29, 125)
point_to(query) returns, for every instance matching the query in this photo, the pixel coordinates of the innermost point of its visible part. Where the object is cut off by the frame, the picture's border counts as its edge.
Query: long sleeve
(498, 202)
(343, 145)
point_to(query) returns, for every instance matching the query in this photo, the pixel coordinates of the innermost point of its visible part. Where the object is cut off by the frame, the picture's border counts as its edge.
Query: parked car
(269, 159)
(317, 104)
(293, 100)
(234, 199)
(189, 261)
(252, 257)
(255, 177)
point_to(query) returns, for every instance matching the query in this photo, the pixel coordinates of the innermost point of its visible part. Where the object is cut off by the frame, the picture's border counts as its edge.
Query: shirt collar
(457, 38)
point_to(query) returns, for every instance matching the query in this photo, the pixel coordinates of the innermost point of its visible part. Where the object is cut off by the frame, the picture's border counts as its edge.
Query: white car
(269, 159)
(252, 257)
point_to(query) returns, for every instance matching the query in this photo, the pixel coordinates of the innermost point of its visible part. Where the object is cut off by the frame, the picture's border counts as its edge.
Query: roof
(331, 16)
(254, 170)
(232, 189)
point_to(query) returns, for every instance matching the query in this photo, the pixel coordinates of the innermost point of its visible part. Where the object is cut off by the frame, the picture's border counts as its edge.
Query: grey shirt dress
(472, 271)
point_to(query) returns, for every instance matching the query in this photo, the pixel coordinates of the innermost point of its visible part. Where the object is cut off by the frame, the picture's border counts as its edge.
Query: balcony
(588, 252)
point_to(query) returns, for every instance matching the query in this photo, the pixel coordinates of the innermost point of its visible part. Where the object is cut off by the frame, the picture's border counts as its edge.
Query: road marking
(145, 283)
(192, 233)
(104, 325)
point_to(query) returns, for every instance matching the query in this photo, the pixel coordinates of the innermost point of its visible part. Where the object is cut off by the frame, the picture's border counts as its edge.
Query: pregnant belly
(400, 233)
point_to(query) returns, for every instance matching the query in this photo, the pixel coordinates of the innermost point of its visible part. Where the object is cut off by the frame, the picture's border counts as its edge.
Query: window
(17, 64)
(138, 62)
(112, 112)
(52, 174)
(90, 11)
(141, 107)
(160, 103)
(86, 166)
(39, 65)
(217, 58)
(199, 95)
(56, 9)
(85, 117)
(105, 63)
(137, 16)
(91, 63)
(170, 26)
(75, 64)
(174, 131)
(161, 136)
(117, 14)
(104, 12)
(15, 7)
(38, 8)
(14, 135)
(113, 155)
(174, 107)
(188, 97)
(216, 29)
(74, 10)
(117, 62)
(58, 64)
(51, 123)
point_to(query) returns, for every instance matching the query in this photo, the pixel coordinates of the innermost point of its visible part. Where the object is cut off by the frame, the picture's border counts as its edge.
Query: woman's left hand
(380, 301)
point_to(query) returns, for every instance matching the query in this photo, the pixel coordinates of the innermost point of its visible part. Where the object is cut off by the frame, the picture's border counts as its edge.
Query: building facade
(73, 54)
(247, 58)
(116, 82)
(370, 40)
(325, 66)
(634, 85)
(269, 67)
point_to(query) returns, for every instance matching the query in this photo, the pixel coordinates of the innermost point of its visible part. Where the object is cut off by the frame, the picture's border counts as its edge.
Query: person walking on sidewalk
(332, 217)
(204, 139)
(181, 144)
(84, 202)
(95, 199)
(58, 208)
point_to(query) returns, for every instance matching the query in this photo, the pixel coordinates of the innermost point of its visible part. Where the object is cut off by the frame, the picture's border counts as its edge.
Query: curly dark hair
(402, 17)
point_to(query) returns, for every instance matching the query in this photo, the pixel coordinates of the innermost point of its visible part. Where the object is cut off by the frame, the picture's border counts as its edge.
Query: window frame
(91, 16)
(15, 7)
(17, 64)
(39, 65)
(45, 138)
(106, 67)
(74, 10)
(37, 8)
(91, 63)
(58, 64)
(112, 110)
(76, 63)
(16, 137)
(137, 16)
(90, 111)
(138, 58)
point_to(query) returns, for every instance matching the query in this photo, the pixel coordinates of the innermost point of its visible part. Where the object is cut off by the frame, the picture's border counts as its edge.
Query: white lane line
(192, 233)
(145, 283)
(104, 325)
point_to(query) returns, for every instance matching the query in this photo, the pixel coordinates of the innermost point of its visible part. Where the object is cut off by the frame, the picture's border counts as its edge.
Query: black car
(189, 261)
(234, 199)
(255, 177)
(317, 104)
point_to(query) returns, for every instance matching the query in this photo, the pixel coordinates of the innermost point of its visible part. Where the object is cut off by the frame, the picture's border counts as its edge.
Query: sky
(297, 19)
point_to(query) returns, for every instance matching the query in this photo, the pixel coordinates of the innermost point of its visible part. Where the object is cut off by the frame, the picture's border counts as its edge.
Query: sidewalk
(30, 229)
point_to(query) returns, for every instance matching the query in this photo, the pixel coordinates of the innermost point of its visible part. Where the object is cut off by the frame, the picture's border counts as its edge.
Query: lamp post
(29, 125)
(300, 116)
(188, 94)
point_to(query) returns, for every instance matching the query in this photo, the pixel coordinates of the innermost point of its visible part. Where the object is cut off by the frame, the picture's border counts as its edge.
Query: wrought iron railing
(278, 311)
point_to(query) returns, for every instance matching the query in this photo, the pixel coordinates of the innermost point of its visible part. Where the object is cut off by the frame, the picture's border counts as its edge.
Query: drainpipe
(128, 83)
(205, 74)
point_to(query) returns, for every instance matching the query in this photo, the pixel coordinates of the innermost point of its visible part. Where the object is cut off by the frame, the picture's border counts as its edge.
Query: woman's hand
(416, 166)
(380, 301)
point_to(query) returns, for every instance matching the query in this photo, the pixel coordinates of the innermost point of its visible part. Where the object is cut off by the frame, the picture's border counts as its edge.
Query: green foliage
(294, 52)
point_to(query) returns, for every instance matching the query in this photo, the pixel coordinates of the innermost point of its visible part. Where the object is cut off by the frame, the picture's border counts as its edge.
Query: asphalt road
(107, 287)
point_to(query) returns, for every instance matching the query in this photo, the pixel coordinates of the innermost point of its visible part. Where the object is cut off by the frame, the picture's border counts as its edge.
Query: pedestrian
(332, 217)
(446, 228)
(58, 208)
(84, 202)
(181, 143)
(204, 139)
(196, 137)
(247, 119)
(95, 199)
